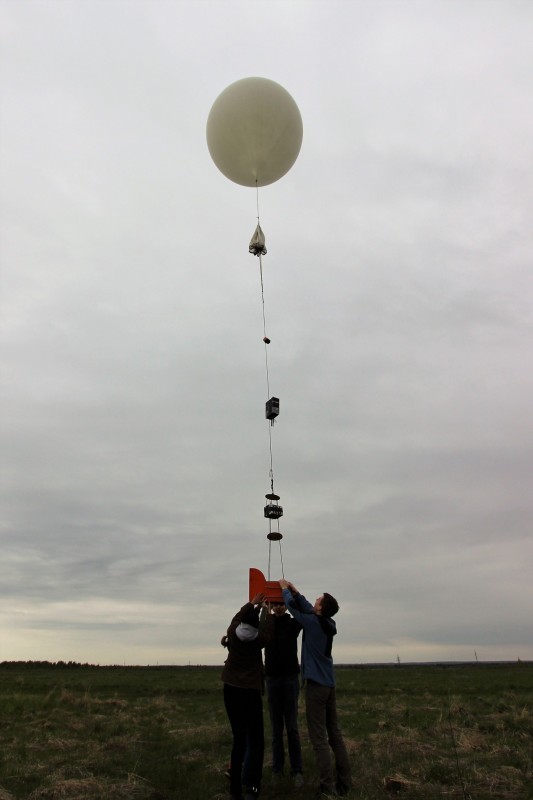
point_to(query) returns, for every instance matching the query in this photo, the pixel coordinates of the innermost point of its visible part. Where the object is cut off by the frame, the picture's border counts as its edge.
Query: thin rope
(265, 339)
(264, 321)
(271, 470)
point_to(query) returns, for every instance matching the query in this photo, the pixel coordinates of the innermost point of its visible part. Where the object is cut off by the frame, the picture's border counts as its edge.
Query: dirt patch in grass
(394, 784)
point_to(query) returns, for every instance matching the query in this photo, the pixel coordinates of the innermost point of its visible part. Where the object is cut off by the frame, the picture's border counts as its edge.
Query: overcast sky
(398, 296)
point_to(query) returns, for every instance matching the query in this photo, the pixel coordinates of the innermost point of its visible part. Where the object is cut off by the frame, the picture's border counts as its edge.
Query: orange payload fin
(259, 585)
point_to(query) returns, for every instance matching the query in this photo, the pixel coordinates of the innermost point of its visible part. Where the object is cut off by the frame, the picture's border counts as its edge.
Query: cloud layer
(398, 301)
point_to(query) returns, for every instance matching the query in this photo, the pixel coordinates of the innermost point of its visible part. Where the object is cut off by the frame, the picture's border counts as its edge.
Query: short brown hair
(329, 606)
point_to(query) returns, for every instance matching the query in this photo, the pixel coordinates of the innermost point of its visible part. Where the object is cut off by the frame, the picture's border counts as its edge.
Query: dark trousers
(325, 736)
(244, 708)
(283, 707)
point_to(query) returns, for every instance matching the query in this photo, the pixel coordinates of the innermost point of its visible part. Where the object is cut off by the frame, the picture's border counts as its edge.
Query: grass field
(148, 733)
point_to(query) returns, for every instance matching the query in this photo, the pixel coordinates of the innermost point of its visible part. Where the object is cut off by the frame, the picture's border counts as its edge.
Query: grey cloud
(135, 454)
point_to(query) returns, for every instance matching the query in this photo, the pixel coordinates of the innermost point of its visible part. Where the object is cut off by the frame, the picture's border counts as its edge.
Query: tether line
(266, 341)
(281, 559)
(264, 320)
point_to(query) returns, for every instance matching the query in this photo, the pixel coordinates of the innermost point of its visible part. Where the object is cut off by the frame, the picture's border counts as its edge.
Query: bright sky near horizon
(398, 292)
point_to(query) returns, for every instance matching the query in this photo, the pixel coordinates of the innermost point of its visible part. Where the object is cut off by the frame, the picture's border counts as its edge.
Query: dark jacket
(281, 654)
(244, 664)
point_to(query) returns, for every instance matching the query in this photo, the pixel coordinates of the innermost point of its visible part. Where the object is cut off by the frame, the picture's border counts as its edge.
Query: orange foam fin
(259, 585)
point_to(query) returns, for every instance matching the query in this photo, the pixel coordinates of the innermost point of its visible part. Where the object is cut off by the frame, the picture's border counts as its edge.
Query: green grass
(80, 733)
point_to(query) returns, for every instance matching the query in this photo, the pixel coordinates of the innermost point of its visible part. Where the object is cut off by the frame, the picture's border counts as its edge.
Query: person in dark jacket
(243, 679)
(319, 676)
(282, 682)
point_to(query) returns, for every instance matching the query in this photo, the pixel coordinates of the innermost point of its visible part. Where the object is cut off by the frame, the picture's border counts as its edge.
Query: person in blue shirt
(318, 675)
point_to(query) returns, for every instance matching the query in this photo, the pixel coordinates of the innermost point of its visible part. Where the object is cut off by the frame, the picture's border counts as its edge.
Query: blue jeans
(282, 695)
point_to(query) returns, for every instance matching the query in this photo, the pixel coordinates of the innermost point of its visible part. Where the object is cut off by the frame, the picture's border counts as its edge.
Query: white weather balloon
(254, 132)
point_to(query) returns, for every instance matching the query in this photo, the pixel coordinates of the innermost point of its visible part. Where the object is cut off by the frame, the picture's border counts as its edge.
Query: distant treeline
(393, 665)
(42, 664)
(78, 665)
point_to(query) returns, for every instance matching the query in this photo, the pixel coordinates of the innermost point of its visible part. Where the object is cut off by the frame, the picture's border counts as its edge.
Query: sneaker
(251, 793)
(298, 780)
